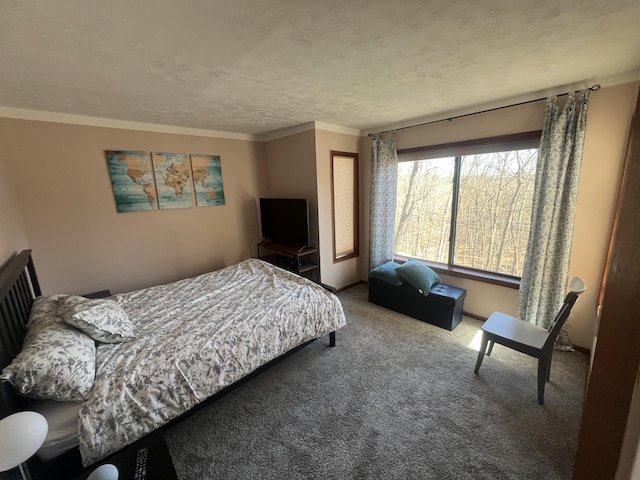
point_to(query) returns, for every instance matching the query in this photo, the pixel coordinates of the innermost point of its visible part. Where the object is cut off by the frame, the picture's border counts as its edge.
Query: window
(344, 202)
(468, 204)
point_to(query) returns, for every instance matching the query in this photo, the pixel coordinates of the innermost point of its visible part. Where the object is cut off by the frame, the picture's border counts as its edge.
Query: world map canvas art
(151, 181)
(207, 178)
(133, 182)
(173, 180)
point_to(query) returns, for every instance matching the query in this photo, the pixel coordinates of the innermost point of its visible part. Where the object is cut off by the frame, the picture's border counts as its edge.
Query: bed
(184, 343)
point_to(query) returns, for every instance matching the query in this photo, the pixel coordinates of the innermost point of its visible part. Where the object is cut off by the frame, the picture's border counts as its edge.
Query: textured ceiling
(254, 66)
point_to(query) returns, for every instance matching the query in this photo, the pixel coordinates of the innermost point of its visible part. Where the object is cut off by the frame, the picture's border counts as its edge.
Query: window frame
(517, 141)
(355, 204)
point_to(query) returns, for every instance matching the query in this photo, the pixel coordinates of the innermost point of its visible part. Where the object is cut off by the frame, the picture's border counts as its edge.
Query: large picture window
(468, 204)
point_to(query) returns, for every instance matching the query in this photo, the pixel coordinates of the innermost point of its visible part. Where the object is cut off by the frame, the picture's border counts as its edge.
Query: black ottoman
(441, 307)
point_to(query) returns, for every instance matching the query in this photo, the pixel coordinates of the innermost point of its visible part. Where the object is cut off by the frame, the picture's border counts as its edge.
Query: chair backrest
(576, 287)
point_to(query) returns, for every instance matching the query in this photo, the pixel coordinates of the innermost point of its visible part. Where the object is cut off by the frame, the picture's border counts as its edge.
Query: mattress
(62, 420)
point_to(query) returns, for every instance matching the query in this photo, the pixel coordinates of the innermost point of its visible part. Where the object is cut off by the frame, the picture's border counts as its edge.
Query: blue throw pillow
(418, 275)
(387, 273)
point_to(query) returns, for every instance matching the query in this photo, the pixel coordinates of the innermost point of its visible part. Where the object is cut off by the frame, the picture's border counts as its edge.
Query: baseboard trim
(580, 349)
(347, 287)
(473, 315)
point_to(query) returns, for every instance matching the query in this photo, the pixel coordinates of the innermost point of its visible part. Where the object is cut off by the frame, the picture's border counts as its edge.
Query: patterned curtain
(546, 265)
(382, 208)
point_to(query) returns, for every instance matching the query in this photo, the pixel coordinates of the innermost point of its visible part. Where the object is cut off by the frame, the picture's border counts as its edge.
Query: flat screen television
(285, 220)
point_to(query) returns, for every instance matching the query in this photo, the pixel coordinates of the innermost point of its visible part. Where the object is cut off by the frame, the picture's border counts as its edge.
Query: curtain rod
(593, 88)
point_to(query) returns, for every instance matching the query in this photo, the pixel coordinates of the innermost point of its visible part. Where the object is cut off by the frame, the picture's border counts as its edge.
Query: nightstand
(100, 294)
(159, 463)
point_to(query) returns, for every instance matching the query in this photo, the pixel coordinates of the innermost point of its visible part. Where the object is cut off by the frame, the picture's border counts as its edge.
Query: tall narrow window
(344, 202)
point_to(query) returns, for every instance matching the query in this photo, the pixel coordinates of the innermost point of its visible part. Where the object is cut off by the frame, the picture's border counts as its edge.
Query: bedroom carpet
(395, 399)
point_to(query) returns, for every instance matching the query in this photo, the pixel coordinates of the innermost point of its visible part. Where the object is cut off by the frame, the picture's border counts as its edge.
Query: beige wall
(290, 166)
(13, 236)
(344, 273)
(81, 244)
(298, 166)
(290, 172)
(608, 121)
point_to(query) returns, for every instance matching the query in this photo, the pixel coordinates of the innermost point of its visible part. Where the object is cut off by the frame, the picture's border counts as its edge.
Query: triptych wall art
(152, 181)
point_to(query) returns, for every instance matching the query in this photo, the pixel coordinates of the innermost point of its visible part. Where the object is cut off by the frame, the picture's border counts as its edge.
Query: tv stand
(295, 258)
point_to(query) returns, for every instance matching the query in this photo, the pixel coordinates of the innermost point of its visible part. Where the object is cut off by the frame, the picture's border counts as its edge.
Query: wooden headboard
(18, 288)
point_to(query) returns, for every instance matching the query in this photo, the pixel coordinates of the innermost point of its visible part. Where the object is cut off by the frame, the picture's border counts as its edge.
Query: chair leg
(483, 348)
(549, 367)
(491, 344)
(543, 371)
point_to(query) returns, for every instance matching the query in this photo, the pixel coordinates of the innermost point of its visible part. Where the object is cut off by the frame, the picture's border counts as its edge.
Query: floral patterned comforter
(193, 338)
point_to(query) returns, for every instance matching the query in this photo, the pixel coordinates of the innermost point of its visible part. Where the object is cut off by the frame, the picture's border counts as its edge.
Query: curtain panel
(382, 207)
(546, 266)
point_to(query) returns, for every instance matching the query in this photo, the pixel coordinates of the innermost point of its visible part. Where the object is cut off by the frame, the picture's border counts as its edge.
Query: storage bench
(441, 307)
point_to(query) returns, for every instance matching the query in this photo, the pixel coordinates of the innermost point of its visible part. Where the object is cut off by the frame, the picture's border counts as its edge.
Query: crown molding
(304, 127)
(84, 120)
(337, 129)
(54, 117)
(285, 132)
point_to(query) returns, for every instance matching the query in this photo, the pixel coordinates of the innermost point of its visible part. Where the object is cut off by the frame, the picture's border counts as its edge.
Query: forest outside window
(344, 202)
(468, 204)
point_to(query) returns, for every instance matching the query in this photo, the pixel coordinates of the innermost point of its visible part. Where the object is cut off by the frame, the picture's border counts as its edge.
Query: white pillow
(102, 319)
(44, 310)
(56, 362)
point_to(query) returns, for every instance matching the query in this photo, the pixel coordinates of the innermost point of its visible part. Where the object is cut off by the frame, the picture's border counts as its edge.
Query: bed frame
(19, 287)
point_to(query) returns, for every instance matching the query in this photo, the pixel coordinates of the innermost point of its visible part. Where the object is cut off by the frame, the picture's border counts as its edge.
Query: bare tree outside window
(491, 219)
(423, 212)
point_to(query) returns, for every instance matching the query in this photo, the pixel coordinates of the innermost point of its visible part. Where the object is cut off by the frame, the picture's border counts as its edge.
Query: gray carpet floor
(395, 399)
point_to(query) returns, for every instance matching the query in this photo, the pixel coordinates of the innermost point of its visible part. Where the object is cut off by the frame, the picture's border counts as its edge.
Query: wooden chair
(528, 338)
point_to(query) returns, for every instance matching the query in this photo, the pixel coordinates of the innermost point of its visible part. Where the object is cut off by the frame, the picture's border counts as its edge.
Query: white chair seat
(515, 330)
